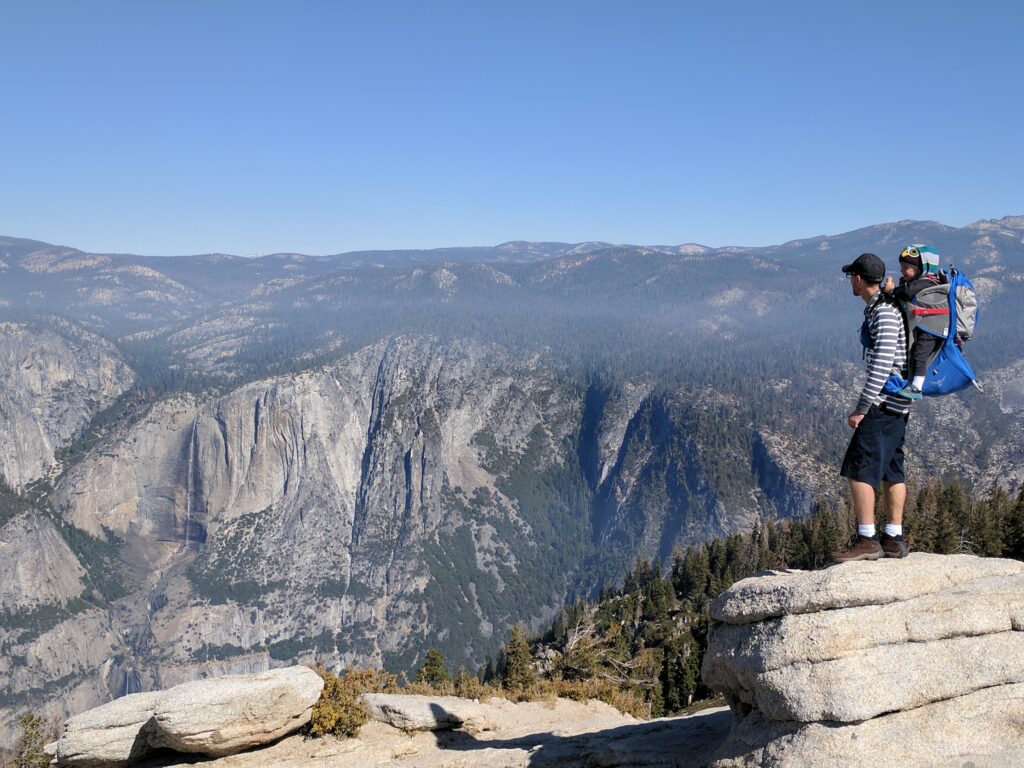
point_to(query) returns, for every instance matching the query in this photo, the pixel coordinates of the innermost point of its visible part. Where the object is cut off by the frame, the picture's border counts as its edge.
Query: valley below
(197, 481)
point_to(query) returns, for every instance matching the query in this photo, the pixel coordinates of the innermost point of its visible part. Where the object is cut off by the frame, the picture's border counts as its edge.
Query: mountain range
(220, 464)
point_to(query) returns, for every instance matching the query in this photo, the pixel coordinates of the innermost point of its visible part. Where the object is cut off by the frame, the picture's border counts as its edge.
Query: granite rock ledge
(914, 662)
(215, 717)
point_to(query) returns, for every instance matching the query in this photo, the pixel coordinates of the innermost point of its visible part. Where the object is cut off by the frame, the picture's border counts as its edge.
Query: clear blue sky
(319, 127)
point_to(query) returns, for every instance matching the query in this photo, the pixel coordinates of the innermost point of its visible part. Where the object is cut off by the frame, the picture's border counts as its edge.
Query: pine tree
(1013, 529)
(691, 574)
(489, 671)
(516, 667)
(673, 693)
(657, 626)
(923, 523)
(433, 671)
(950, 521)
(946, 537)
(987, 522)
(767, 554)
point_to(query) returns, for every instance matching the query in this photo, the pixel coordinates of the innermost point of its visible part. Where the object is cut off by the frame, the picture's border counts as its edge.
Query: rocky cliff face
(313, 498)
(411, 494)
(53, 378)
(670, 468)
(915, 659)
(36, 565)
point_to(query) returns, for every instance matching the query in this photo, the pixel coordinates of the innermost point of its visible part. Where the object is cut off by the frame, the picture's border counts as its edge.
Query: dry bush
(469, 687)
(464, 684)
(339, 710)
(420, 688)
(627, 701)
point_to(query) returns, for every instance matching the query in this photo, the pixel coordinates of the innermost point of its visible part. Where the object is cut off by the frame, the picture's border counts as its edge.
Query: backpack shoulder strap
(892, 301)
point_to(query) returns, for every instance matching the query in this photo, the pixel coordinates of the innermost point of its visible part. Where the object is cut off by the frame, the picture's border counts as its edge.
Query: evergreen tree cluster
(649, 636)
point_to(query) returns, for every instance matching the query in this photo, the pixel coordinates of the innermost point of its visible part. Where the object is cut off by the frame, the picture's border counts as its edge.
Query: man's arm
(884, 326)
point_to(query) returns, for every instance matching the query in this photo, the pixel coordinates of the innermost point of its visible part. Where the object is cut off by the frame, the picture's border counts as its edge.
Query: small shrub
(629, 701)
(339, 710)
(469, 686)
(28, 750)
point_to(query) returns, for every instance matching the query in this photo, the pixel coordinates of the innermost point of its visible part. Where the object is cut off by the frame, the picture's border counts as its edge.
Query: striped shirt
(888, 356)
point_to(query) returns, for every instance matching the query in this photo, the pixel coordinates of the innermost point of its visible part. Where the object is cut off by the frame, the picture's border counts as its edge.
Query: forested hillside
(352, 459)
(648, 635)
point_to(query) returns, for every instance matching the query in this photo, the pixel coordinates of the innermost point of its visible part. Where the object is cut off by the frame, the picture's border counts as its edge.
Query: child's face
(909, 271)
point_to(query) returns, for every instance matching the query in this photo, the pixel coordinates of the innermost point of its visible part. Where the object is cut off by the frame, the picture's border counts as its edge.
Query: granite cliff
(215, 465)
(410, 494)
(53, 378)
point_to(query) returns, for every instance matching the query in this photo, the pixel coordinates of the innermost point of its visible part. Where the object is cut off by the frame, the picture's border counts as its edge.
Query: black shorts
(875, 454)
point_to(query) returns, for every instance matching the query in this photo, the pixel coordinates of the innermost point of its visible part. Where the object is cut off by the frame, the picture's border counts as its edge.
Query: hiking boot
(894, 546)
(864, 548)
(910, 392)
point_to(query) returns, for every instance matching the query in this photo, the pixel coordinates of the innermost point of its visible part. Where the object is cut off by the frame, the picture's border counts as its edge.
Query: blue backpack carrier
(949, 311)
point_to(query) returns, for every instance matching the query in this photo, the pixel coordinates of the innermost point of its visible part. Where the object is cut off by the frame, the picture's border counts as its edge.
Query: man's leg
(895, 489)
(865, 547)
(862, 467)
(893, 543)
(864, 502)
(895, 500)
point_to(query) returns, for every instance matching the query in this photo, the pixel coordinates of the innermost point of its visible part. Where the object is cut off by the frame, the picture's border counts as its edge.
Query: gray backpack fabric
(929, 310)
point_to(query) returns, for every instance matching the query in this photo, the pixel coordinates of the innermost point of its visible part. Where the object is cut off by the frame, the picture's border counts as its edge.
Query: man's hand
(854, 420)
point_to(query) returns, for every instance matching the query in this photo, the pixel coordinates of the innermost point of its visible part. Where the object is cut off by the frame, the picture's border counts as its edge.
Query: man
(879, 420)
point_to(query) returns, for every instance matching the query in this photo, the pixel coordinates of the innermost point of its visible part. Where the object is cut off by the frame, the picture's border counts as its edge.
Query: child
(919, 267)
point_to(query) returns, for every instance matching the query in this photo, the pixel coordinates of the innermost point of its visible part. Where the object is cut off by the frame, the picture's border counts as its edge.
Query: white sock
(893, 530)
(918, 381)
(867, 531)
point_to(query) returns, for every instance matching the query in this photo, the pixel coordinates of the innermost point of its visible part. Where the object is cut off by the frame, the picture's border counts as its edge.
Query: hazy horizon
(472, 246)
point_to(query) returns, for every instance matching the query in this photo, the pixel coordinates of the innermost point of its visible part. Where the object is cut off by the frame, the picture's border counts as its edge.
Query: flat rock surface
(227, 714)
(562, 733)
(109, 735)
(980, 730)
(851, 664)
(984, 606)
(427, 713)
(778, 593)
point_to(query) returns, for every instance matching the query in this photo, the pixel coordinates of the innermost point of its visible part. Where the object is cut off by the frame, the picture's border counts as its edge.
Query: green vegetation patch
(101, 558)
(226, 572)
(30, 623)
(122, 412)
(11, 504)
(339, 711)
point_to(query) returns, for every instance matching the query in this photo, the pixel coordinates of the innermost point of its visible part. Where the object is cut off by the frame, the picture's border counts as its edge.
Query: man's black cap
(868, 266)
